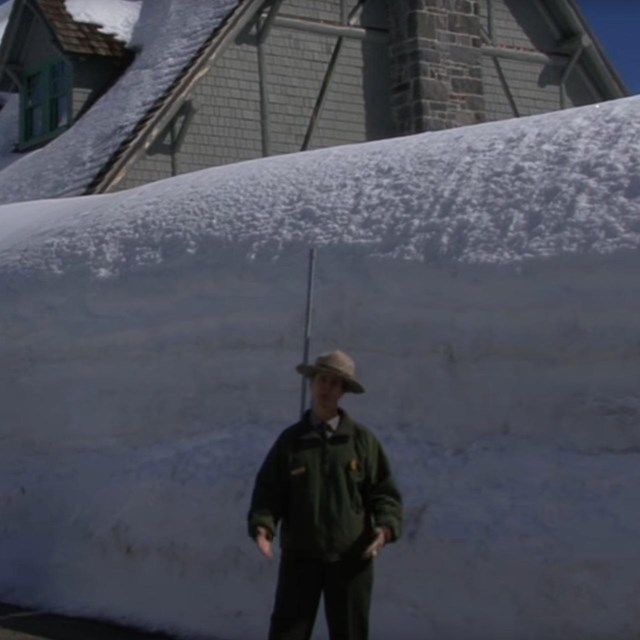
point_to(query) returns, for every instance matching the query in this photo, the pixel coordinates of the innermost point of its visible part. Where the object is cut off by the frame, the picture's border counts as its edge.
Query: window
(59, 96)
(34, 107)
(46, 104)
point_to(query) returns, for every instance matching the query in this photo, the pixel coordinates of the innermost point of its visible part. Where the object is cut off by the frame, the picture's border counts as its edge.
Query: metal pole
(326, 29)
(307, 330)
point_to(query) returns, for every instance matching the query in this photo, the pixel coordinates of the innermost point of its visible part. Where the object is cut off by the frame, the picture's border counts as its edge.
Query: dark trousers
(346, 586)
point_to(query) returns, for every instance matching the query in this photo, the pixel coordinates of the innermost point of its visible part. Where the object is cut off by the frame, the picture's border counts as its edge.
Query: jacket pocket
(298, 478)
(355, 479)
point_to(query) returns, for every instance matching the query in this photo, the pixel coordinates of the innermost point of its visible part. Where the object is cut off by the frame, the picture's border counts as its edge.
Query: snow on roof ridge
(82, 38)
(114, 17)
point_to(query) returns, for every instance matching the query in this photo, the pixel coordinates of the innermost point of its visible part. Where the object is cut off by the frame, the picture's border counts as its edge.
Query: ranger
(326, 481)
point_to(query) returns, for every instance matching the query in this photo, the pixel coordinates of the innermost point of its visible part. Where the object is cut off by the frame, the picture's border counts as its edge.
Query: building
(200, 84)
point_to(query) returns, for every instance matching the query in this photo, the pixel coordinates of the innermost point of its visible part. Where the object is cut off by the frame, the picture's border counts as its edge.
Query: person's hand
(379, 540)
(264, 542)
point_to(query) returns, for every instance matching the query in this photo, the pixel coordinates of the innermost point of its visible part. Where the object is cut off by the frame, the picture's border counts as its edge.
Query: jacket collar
(346, 426)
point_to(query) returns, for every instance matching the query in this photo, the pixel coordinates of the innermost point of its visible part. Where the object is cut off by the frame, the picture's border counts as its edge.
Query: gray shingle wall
(357, 107)
(226, 127)
(90, 77)
(319, 10)
(580, 90)
(151, 168)
(79, 97)
(519, 24)
(535, 87)
(496, 102)
(295, 83)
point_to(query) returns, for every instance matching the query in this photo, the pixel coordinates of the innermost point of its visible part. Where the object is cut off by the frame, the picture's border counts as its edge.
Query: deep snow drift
(485, 280)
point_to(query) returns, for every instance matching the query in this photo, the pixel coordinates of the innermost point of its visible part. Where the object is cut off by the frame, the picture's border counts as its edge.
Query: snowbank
(486, 282)
(541, 187)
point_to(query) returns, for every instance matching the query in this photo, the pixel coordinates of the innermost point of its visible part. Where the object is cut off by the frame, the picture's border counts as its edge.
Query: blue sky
(616, 24)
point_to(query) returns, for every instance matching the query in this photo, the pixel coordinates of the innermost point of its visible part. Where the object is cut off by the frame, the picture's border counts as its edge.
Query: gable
(298, 61)
(399, 69)
(41, 28)
(79, 37)
(58, 66)
(534, 61)
(173, 36)
(594, 62)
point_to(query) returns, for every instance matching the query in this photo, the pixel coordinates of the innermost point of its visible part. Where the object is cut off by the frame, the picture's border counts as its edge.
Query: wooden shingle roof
(79, 37)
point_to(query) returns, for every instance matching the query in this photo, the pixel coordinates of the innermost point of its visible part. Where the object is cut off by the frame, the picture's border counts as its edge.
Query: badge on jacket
(298, 471)
(355, 465)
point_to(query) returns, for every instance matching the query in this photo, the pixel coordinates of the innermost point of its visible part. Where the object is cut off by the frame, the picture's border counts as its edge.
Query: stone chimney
(436, 64)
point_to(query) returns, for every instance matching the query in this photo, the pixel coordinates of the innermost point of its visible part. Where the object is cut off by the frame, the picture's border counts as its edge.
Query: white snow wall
(134, 412)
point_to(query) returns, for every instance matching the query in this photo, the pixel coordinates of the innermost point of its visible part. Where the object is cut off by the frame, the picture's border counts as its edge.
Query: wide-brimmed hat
(336, 363)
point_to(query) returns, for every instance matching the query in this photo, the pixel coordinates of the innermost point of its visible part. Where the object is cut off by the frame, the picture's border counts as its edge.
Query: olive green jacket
(326, 494)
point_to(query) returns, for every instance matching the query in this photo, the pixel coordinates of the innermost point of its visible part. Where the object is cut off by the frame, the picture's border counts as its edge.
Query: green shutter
(45, 103)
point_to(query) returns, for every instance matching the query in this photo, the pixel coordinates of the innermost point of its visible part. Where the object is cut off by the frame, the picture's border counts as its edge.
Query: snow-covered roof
(78, 37)
(5, 10)
(171, 36)
(116, 17)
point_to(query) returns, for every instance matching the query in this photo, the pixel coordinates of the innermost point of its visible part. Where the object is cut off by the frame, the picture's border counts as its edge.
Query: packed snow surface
(116, 17)
(484, 279)
(551, 185)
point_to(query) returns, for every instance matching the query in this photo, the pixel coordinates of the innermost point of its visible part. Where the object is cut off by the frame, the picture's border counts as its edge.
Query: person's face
(326, 391)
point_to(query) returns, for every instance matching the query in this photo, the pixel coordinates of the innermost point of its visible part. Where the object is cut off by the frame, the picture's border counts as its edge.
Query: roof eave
(594, 57)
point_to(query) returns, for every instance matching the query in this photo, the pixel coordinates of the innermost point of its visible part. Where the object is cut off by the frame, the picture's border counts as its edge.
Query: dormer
(59, 66)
